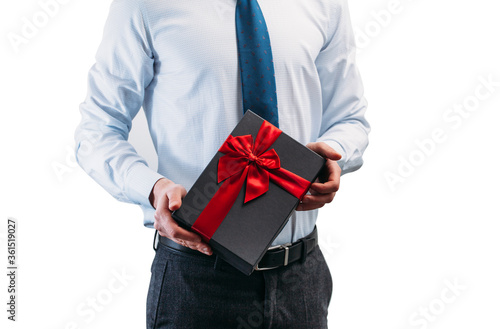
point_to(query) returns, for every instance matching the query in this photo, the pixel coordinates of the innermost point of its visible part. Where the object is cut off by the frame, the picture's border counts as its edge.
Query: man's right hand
(166, 197)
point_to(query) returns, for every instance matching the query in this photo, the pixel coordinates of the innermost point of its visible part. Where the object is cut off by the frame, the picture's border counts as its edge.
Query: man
(179, 61)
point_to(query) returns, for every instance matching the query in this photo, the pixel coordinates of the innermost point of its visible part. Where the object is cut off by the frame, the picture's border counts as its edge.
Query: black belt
(276, 256)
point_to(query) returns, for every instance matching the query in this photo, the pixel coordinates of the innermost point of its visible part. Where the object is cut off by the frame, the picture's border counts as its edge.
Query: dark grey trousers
(188, 292)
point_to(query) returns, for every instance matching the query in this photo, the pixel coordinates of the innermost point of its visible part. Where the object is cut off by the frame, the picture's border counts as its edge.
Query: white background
(393, 248)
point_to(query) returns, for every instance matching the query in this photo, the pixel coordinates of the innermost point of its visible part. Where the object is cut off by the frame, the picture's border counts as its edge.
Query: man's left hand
(323, 190)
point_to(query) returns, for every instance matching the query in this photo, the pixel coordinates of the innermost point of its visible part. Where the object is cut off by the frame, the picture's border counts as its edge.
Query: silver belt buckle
(285, 262)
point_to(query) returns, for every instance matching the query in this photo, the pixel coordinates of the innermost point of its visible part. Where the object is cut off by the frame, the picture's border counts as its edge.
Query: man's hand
(323, 190)
(166, 197)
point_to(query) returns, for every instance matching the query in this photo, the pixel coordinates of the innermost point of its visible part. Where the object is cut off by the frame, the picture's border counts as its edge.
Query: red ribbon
(246, 160)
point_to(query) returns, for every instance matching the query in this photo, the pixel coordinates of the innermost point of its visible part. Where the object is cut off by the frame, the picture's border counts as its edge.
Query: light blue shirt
(178, 61)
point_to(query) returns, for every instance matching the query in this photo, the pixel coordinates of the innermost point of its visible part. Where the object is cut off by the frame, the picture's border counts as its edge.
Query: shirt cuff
(140, 182)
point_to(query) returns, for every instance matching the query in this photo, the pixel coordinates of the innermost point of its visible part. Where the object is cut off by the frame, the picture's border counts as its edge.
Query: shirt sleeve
(116, 85)
(343, 126)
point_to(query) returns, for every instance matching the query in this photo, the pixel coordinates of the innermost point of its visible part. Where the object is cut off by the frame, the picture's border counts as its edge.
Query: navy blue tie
(256, 61)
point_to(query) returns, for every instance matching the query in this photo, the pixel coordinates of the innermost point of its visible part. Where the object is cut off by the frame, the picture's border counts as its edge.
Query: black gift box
(248, 229)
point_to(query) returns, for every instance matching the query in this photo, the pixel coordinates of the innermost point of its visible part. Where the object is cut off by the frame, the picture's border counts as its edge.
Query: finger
(308, 206)
(184, 237)
(325, 150)
(310, 202)
(169, 228)
(200, 246)
(325, 188)
(330, 180)
(318, 199)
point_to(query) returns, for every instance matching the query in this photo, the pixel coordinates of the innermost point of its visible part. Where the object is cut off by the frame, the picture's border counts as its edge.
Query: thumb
(325, 151)
(174, 199)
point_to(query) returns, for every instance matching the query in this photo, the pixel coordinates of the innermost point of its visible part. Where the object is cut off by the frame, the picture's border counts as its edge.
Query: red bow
(247, 161)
